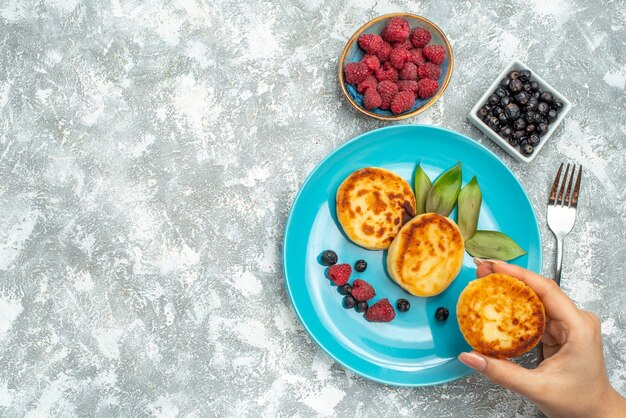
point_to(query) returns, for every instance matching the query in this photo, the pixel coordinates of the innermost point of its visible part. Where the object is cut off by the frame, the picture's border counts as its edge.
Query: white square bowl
(543, 86)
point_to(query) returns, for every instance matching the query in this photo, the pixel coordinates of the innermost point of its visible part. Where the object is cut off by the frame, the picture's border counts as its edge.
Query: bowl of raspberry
(395, 66)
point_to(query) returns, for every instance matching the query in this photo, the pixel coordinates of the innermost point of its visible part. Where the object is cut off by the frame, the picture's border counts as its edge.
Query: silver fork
(562, 211)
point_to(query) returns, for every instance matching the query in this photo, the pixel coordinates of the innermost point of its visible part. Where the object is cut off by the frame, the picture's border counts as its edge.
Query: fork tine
(566, 202)
(559, 200)
(555, 186)
(574, 203)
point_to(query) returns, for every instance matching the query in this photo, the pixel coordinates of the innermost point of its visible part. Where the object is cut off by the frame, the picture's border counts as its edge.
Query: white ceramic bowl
(513, 151)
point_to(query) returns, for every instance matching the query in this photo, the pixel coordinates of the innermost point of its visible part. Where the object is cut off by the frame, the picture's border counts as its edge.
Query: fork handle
(559, 260)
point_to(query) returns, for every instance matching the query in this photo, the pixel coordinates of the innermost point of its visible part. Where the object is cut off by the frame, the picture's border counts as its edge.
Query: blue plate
(414, 349)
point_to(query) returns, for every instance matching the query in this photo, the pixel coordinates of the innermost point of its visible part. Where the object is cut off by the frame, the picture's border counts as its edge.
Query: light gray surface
(149, 156)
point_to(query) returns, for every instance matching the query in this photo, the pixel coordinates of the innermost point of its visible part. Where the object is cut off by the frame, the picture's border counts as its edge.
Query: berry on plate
(339, 273)
(362, 290)
(381, 311)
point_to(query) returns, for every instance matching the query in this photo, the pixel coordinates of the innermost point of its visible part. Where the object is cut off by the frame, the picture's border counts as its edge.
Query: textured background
(149, 154)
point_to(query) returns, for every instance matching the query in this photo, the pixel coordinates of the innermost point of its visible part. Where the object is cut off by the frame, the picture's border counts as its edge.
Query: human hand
(572, 380)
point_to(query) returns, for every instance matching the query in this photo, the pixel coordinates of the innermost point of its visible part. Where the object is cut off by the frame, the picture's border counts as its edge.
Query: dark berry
(523, 142)
(349, 302)
(513, 75)
(533, 139)
(534, 86)
(493, 99)
(542, 128)
(521, 97)
(547, 97)
(519, 124)
(403, 305)
(543, 108)
(329, 258)
(504, 83)
(530, 128)
(532, 103)
(496, 110)
(551, 115)
(557, 105)
(536, 94)
(531, 116)
(500, 92)
(482, 112)
(527, 88)
(441, 314)
(511, 111)
(488, 107)
(505, 101)
(519, 134)
(513, 141)
(502, 118)
(360, 266)
(516, 86)
(345, 289)
(506, 132)
(494, 123)
(361, 307)
(526, 149)
(524, 76)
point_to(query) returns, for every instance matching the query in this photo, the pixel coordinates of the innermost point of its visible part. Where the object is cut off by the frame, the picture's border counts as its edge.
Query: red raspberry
(371, 61)
(398, 57)
(426, 88)
(420, 37)
(402, 102)
(397, 30)
(416, 57)
(386, 72)
(408, 85)
(429, 70)
(362, 290)
(356, 72)
(370, 81)
(371, 99)
(387, 89)
(370, 43)
(409, 71)
(434, 53)
(406, 44)
(381, 311)
(385, 50)
(339, 273)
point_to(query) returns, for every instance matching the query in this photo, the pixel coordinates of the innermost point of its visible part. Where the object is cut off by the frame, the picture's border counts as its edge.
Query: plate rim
(290, 217)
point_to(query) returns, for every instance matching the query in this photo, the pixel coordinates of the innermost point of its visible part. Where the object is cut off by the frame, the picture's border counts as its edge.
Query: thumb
(503, 372)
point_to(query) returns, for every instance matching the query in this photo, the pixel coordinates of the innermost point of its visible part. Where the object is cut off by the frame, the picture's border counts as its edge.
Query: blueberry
(543, 108)
(524, 76)
(530, 128)
(505, 101)
(516, 86)
(494, 123)
(329, 258)
(527, 149)
(513, 141)
(349, 302)
(513, 75)
(534, 86)
(403, 305)
(519, 124)
(541, 119)
(487, 106)
(506, 132)
(531, 116)
(362, 307)
(557, 105)
(551, 115)
(493, 99)
(547, 97)
(542, 128)
(533, 139)
(527, 88)
(519, 135)
(536, 94)
(504, 83)
(495, 111)
(512, 111)
(502, 118)
(345, 289)
(532, 103)
(521, 97)
(482, 112)
(441, 314)
(360, 266)
(500, 92)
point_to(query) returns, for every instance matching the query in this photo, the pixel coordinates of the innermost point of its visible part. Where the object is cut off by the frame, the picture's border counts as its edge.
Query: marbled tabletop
(149, 155)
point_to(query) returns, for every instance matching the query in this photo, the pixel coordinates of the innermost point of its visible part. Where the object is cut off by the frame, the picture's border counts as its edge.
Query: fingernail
(492, 261)
(478, 261)
(473, 360)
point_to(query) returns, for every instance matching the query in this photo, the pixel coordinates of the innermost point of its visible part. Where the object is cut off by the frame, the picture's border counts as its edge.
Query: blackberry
(512, 111)
(403, 305)
(362, 307)
(547, 97)
(360, 266)
(329, 258)
(441, 314)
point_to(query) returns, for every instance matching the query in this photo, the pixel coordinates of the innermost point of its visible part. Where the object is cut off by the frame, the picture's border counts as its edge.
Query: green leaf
(442, 196)
(493, 244)
(422, 187)
(470, 200)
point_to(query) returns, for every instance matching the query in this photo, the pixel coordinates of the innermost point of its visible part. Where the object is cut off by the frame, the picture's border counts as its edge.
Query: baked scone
(426, 255)
(500, 316)
(372, 206)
